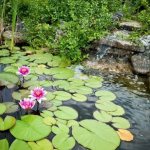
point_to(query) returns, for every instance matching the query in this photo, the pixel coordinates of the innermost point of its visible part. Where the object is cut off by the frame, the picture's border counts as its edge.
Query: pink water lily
(27, 103)
(38, 93)
(24, 70)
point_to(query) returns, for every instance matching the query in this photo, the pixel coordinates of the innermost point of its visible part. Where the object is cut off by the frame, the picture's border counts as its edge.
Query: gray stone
(141, 63)
(130, 25)
(18, 37)
(145, 40)
(120, 40)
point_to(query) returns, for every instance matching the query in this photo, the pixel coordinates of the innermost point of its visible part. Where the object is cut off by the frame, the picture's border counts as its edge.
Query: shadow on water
(137, 109)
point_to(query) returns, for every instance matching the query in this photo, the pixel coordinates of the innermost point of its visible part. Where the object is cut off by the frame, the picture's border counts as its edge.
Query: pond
(136, 103)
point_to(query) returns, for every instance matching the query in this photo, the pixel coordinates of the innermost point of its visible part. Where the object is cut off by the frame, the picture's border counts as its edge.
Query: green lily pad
(62, 141)
(7, 78)
(44, 144)
(120, 123)
(11, 107)
(49, 121)
(66, 113)
(96, 135)
(2, 108)
(84, 90)
(102, 116)
(7, 123)
(62, 95)
(12, 69)
(106, 106)
(105, 95)
(79, 97)
(7, 60)
(72, 123)
(4, 145)
(19, 145)
(60, 128)
(30, 128)
(46, 113)
(61, 83)
(119, 111)
(50, 96)
(4, 52)
(21, 94)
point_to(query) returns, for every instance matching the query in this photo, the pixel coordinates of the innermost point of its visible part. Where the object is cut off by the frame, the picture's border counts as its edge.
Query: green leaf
(66, 113)
(30, 128)
(8, 123)
(4, 145)
(62, 141)
(120, 123)
(84, 90)
(79, 97)
(62, 95)
(106, 106)
(105, 95)
(102, 116)
(4, 52)
(41, 145)
(19, 145)
(60, 128)
(11, 107)
(2, 108)
(96, 135)
(118, 112)
(49, 121)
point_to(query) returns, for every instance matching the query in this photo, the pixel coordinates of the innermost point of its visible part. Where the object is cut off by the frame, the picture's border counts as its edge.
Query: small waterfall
(102, 51)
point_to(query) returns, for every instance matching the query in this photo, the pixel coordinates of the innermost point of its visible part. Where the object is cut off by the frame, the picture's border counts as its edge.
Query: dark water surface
(137, 109)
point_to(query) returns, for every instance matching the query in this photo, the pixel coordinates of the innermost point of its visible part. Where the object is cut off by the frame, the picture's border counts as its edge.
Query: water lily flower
(24, 70)
(27, 103)
(38, 93)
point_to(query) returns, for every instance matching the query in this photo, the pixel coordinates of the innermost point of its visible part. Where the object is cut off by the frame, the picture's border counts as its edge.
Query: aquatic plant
(27, 103)
(38, 94)
(23, 70)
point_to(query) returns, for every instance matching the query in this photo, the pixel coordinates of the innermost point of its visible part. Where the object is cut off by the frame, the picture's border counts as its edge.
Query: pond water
(136, 105)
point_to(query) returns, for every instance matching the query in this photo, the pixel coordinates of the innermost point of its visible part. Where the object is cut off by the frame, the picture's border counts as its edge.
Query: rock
(141, 63)
(130, 25)
(18, 37)
(145, 40)
(120, 40)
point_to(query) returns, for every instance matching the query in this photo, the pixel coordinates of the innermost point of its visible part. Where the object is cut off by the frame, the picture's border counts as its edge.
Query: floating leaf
(44, 144)
(84, 90)
(11, 107)
(79, 97)
(49, 121)
(46, 113)
(105, 95)
(30, 128)
(120, 123)
(4, 52)
(19, 145)
(62, 141)
(8, 123)
(4, 145)
(102, 116)
(72, 123)
(118, 112)
(125, 135)
(66, 113)
(7, 78)
(106, 106)
(61, 128)
(50, 96)
(62, 95)
(12, 69)
(96, 135)
(2, 108)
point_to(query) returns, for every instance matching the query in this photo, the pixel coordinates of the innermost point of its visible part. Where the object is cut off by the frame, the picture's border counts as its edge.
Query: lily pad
(84, 90)
(102, 116)
(4, 52)
(4, 145)
(120, 123)
(96, 135)
(2, 108)
(79, 97)
(62, 95)
(44, 144)
(106, 106)
(7, 123)
(19, 145)
(105, 95)
(66, 113)
(11, 107)
(62, 141)
(30, 128)
(119, 111)
(49, 121)
(61, 128)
